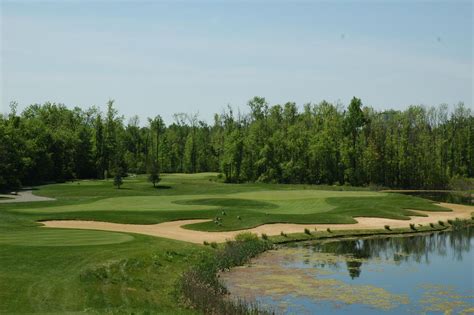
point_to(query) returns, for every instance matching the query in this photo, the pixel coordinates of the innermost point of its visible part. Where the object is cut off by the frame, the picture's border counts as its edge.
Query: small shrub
(154, 177)
(461, 183)
(283, 234)
(315, 229)
(223, 212)
(420, 225)
(214, 245)
(329, 230)
(246, 237)
(306, 231)
(239, 218)
(459, 224)
(451, 222)
(387, 227)
(412, 226)
(264, 236)
(432, 225)
(441, 223)
(205, 243)
(118, 181)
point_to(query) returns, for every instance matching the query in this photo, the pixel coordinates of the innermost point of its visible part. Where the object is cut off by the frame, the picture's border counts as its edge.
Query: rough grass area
(137, 276)
(64, 271)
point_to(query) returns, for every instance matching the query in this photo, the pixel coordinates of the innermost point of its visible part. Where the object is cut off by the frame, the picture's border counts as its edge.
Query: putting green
(62, 237)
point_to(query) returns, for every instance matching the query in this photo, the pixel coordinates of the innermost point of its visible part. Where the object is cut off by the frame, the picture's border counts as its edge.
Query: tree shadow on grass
(162, 187)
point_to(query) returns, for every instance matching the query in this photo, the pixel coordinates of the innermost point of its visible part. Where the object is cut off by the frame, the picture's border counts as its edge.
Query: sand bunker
(175, 231)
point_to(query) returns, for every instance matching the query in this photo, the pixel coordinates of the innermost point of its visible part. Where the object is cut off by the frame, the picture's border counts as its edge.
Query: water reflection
(417, 248)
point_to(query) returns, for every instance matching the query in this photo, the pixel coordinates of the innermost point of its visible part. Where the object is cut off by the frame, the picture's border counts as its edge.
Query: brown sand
(175, 231)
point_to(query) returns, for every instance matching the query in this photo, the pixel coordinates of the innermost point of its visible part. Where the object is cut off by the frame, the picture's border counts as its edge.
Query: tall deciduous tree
(420, 147)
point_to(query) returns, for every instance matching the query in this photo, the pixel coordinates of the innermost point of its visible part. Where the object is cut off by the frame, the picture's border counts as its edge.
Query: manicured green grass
(61, 270)
(60, 237)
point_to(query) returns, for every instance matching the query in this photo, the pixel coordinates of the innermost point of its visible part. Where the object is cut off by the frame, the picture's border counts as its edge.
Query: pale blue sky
(198, 56)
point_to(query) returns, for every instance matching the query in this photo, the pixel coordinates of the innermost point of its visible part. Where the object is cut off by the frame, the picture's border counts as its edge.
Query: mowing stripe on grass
(62, 237)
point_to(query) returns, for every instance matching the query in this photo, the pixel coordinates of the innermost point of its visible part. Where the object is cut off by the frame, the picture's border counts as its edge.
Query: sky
(160, 58)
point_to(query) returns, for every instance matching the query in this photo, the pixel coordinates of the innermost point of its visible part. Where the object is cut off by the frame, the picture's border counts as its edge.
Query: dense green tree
(420, 147)
(99, 148)
(11, 163)
(156, 127)
(354, 121)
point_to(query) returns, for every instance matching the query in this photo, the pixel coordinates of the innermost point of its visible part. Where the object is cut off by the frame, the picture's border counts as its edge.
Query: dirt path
(175, 231)
(24, 196)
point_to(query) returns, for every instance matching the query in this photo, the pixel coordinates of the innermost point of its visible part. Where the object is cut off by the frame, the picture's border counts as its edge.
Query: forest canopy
(420, 147)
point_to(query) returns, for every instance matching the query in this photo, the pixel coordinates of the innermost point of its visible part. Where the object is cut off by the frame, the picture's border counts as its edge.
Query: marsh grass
(200, 287)
(460, 224)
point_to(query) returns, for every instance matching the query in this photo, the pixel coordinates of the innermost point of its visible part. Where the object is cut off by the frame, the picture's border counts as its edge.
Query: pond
(463, 198)
(398, 275)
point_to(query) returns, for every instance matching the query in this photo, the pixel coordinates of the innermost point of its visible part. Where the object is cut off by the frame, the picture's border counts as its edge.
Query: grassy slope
(55, 271)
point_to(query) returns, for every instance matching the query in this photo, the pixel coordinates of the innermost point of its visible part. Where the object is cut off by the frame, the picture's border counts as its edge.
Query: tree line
(420, 147)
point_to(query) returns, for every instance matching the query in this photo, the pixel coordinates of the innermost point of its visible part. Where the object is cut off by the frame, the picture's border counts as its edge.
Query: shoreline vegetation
(200, 287)
(351, 234)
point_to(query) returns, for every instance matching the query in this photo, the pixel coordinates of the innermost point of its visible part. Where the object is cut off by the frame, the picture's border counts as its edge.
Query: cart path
(24, 196)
